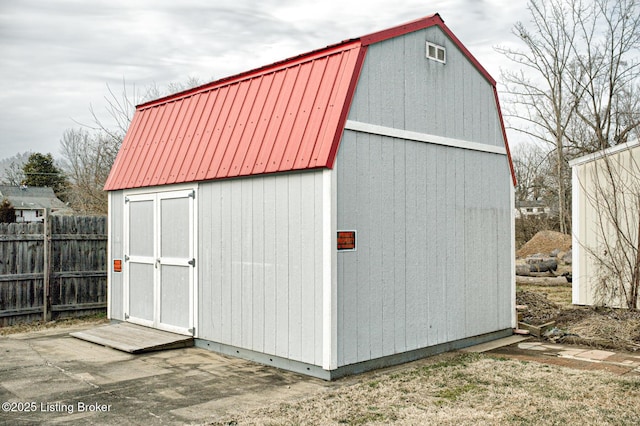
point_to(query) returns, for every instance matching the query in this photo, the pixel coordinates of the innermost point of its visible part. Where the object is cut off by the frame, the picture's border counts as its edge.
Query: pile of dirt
(545, 242)
(539, 310)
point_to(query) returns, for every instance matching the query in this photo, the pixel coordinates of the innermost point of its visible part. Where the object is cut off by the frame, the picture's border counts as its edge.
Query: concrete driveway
(50, 377)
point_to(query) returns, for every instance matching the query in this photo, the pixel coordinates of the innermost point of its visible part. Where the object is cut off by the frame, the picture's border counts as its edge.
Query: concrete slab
(253, 400)
(534, 346)
(100, 385)
(570, 353)
(498, 343)
(597, 355)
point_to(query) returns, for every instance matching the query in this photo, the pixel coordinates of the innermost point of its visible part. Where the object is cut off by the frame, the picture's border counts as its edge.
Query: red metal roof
(282, 117)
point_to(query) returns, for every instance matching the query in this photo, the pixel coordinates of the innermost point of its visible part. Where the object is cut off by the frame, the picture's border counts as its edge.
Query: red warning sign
(346, 240)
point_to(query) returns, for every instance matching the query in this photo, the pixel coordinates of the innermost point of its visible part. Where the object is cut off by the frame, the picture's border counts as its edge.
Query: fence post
(46, 311)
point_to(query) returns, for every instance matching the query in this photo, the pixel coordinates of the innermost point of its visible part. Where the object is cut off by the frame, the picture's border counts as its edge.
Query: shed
(341, 210)
(605, 191)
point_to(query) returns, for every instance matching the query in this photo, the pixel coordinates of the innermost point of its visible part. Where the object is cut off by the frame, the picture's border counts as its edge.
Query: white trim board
(358, 126)
(602, 153)
(576, 201)
(329, 271)
(110, 241)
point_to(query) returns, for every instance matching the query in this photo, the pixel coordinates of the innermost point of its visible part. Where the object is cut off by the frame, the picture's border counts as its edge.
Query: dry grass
(602, 331)
(464, 389)
(558, 294)
(470, 389)
(605, 328)
(40, 325)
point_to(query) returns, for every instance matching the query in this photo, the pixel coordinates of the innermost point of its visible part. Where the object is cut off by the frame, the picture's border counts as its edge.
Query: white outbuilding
(606, 226)
(341, 210)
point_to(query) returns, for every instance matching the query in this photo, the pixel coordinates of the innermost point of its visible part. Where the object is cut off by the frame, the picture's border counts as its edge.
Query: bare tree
(530, 163)
(121, 105)
(12, 169)
(606, 72)
(189, 83)
(543, 106)
(87, 161)
(577, 89)
(89, 152)
(534, 171)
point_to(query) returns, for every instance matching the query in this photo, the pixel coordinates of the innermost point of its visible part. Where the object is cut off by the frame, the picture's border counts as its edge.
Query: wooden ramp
(133, 338)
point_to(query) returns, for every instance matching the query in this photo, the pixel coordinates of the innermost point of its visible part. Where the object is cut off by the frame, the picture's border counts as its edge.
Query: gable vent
(437, 53)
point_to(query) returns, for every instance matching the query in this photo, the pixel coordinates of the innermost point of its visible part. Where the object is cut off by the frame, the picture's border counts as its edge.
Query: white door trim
(179, 191)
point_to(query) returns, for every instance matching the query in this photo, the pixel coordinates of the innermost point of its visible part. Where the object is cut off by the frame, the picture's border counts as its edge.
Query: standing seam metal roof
(282, 117)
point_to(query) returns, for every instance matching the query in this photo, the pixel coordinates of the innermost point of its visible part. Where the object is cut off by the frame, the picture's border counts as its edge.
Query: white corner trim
(358, 126)
(576, 249)
(194, 296)
(109, 253)
(329, 271)
(512, 202)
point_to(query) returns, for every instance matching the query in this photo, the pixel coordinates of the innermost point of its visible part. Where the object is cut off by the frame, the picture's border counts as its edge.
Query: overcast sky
(58, 56)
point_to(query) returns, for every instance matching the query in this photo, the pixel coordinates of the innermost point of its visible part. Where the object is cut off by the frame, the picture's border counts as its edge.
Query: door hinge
(126, 316)
(192, 194)
(126, 199)
(192, 331)
(192, 262)
(126, 258)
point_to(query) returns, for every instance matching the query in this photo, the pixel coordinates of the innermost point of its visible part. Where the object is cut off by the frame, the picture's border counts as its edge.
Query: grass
(453, 393)
(96, 319)
(465, 389)
(558, 294)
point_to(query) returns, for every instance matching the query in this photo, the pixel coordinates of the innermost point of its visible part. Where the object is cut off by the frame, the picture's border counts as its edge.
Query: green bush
(7, 212)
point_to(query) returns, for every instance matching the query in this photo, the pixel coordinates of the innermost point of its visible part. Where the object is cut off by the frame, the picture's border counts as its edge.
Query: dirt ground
(39, 325)
(604, 328)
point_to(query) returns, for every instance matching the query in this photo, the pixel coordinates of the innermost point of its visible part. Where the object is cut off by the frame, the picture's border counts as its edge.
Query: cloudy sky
(58, 57)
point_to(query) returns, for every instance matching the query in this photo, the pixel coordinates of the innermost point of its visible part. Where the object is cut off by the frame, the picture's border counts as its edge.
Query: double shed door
(160, 259)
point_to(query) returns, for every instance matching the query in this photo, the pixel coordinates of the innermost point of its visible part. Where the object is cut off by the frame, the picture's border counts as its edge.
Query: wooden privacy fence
(54, 269)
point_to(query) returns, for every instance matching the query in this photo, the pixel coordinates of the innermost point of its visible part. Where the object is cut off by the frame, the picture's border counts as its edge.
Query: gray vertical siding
(260, 264)
(433, 263)
(116, 247)
(400, 88)
(433, 260)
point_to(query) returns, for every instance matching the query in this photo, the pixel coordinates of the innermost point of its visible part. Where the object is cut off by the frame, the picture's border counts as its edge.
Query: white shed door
(159, 248)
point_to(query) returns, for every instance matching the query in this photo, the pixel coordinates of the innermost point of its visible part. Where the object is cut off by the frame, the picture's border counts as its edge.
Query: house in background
(29, 202)
(597, 236)
(341, 210)
(531, 208)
